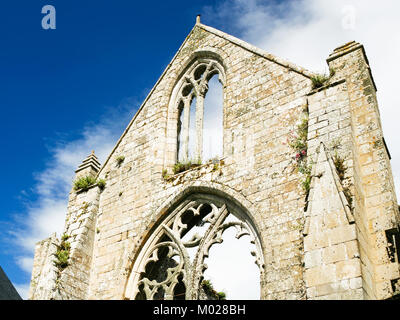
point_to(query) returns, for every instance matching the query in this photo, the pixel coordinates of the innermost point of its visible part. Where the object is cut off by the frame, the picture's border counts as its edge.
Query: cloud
(305, 32)
(25, 263)
(23, 290)
(46, 214)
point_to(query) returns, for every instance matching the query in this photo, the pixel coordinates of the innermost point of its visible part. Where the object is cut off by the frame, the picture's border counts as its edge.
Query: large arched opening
(173, 262)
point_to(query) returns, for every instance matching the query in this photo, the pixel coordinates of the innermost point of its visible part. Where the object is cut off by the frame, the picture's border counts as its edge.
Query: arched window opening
(200, 109)
(172, 263)
(180, 133)
(213, 120)
(229, 259)
(192, 133)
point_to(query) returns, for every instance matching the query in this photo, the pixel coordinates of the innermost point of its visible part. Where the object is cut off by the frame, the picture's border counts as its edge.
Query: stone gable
(259, 178)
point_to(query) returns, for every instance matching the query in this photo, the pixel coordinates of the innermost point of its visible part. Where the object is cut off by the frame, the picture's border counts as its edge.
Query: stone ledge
(201, 169)
(329, 85)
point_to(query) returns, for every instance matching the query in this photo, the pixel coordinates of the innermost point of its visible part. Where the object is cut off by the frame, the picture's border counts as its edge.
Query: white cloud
(23, 290)
(46, 215)
(305, 32)
(25, 263)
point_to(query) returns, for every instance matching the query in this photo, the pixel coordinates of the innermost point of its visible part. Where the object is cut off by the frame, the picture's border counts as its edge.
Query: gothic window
(171, 264)
(200, 105)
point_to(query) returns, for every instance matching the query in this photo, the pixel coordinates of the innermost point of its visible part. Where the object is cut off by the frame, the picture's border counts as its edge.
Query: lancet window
(200, 112)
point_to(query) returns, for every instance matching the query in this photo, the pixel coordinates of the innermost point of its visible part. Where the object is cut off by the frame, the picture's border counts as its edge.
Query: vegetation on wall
(183, 166)
(120, 160)
(101, 183)
(213, 165)
(339, 165)
(298, 142)
(84, 183)
(341, 169)
(62, 253)
(165, 175)
(319, 80)
(211, 292)
(339, 161)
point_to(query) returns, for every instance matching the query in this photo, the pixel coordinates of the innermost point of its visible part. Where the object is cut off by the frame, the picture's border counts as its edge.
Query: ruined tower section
(66, 261)
(376, 210)
(344, 116)
(44, 272)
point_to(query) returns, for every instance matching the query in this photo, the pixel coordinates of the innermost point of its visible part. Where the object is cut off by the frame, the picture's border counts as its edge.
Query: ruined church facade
(303, 171)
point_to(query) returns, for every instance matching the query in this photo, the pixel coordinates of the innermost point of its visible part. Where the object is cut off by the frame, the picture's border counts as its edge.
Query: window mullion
(185, 131)
(199, 127)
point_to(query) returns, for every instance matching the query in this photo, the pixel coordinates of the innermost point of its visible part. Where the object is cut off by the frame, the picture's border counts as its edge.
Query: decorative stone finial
(198, 18)
(90, 165)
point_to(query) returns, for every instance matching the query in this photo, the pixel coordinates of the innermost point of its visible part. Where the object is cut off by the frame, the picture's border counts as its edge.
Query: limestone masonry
(302, 169)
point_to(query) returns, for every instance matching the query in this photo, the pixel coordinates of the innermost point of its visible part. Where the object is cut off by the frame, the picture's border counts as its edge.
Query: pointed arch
(165, 244)
(192, 85)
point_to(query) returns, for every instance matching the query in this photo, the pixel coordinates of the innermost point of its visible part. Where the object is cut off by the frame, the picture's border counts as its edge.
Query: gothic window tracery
(196, 142)
(172, 262)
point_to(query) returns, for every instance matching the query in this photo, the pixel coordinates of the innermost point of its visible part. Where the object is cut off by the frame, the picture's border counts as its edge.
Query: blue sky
(67, 91)
(100, 62)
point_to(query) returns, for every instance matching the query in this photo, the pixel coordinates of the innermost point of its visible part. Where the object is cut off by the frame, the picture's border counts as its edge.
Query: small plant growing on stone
(65, 237)
(339, 164)
(165, 175)
(305, 169)
(101, 183)
(319, 80)
(347, 194)
(221, 295)
(215, 167)
(62, 253)
(183, 166)
(84, 183)
(62, 259)
(210, 291)
(341, 169)
(298, 142)
(119, 160)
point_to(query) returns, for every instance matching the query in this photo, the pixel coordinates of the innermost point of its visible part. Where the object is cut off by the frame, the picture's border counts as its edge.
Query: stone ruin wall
(264, 99)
